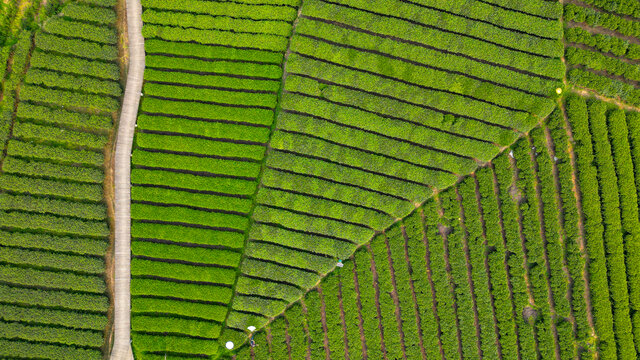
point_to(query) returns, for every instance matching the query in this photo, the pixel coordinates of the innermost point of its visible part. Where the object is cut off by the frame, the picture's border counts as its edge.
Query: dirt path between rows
(543, 238)
(478, 198)
(581, 237)
(416, 309)
(467, 256)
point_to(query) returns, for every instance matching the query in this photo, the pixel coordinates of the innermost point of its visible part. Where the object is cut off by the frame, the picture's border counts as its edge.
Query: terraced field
(355, 179)
(59, 100)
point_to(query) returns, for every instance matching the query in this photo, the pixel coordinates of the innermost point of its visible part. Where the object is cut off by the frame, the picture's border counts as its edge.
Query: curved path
(122, 319)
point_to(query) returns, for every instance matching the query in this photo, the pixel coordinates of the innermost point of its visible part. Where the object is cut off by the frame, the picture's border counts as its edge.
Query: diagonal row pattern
(384, 103)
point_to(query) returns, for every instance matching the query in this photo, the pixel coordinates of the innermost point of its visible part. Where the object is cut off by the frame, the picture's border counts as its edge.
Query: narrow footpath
(122, 319)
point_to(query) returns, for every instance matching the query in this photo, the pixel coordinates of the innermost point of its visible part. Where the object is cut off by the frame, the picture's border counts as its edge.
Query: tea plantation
(324, 179)
(60, 97)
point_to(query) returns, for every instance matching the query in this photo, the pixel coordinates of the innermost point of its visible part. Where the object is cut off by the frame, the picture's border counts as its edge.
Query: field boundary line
(122, 295)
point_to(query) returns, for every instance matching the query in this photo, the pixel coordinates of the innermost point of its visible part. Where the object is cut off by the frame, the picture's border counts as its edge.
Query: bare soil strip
(413, 292)
(445, 242)
(556, 179)
(584, 92)
(545, 254)
(306, 328)
(433, 291)
(396, 300)
(581, 237)
(496, 193)
(467, 256)
(359, 304)
(607, 54)
(287, 337)
(486, 265)
(323, 317)
(377, 292)
(525, 260)
(342, 317)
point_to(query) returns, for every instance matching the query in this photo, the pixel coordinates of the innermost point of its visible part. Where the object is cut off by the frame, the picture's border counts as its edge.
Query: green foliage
(58, 352)
(97, 69)
(201, 21)
(63, 117)
(196, 255)
(213, 52)
(216, 37)
(142, 267)
(75, 245)
(593, 17)
(196, 328)
(192, 235)
(605, 86)
(54, 153)
(240, 99)
(200, 165)
(171, 343)
(68, 98)
(597, 61)
(71, 82)
(195, 182)
(45, 205)
(51, 260)
(80, 11)
(212, 130)
(205, 111)
(152, 287)
(77, 48)
(66, 318)
(179, 308)
(207, 201)
(70, 28)
(593, 226)
(240, 9)
(66, 190)
(604, 43)
(54, 298)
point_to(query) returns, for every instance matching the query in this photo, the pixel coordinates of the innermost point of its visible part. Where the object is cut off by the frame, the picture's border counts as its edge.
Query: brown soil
(377, 292)
(556, 180)
(486, 265)
(607, 54)
(444, 232)
(543, 237)
(123, 40)
(590, 6)
(396, 300)
(360, 319)
(269, 338)
(581, 237)
(525, 260)
(584, 92)
(323, 319)
(413, 292)
(287, 337)
(603, 31)
(342, 318)
(9, 65)
(306, 328)
(496, 193)
(467, 256)
(433, 291)
(521, 232)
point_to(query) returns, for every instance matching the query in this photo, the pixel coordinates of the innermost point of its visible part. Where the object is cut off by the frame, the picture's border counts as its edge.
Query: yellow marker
(558, 91)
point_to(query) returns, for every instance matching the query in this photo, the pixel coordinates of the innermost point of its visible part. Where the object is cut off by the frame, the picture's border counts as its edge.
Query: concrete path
(122, 319)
